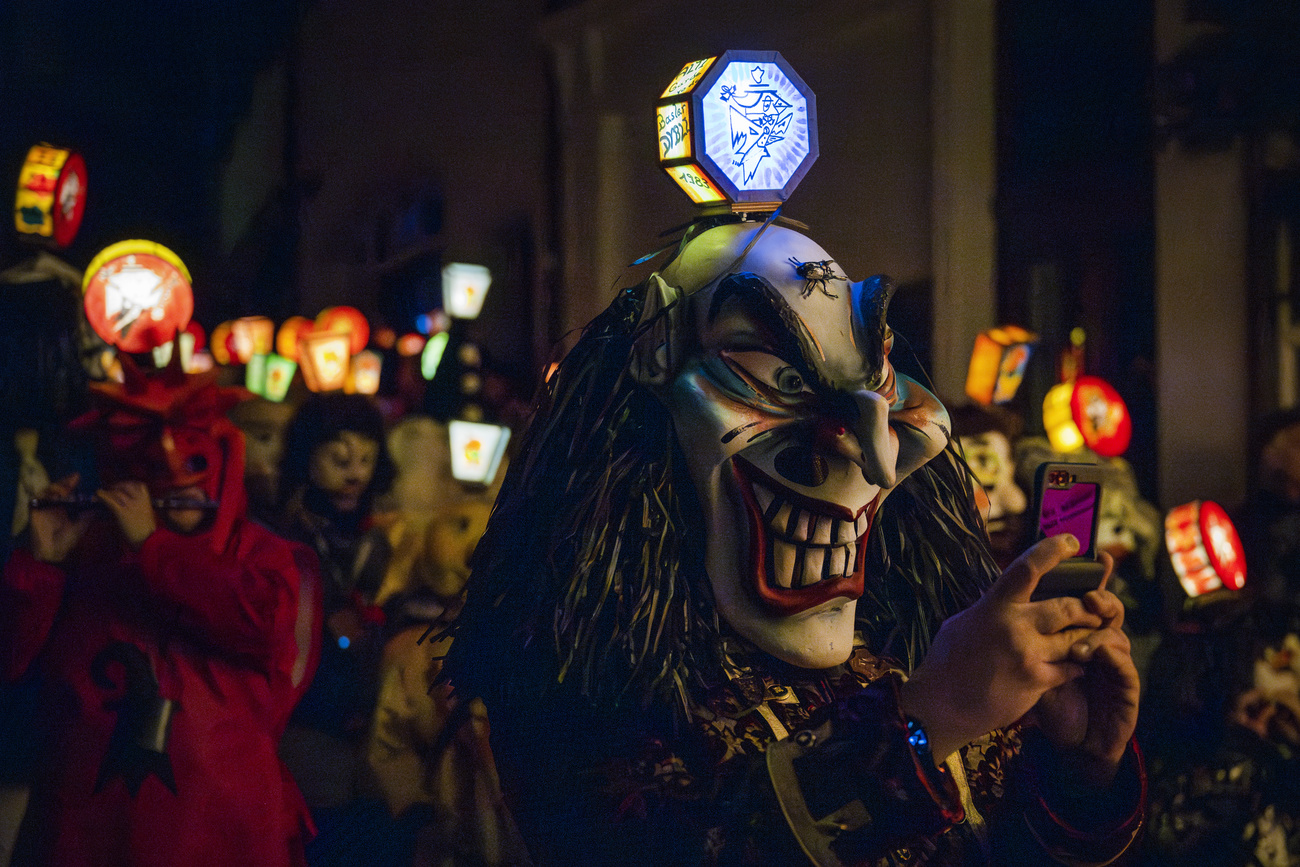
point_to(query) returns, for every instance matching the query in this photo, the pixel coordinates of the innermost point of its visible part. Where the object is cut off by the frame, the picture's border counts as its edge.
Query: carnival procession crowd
(232, 653)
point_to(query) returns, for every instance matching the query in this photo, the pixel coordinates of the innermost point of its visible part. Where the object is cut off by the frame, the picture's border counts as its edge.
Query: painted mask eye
(789, 381)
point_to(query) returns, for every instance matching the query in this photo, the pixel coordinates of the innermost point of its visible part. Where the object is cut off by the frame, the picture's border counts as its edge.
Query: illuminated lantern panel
(137, 295)
(1204, 548)
(255, 374)
(253, 335)
(323, 357)
(431, 357)
(162, 355)
(997, 364)
(363, 377)
(350, 321)
(1087, 412)
(286, 339)
(464, 287)
(740, 129)
(279, 375)
(51, 196)
(476, 450)
(220, 348)
(1101, 415)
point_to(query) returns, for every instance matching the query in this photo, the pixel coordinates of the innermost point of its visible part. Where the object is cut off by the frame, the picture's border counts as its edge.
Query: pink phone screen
(1070, 510)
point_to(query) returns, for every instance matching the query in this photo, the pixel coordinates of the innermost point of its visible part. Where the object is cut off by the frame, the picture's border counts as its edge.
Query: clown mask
(795, 426)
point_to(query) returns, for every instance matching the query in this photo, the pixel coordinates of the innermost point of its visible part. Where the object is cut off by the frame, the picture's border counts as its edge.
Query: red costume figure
(173, 637)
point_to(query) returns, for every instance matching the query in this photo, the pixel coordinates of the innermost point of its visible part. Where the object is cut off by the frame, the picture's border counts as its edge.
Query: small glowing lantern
(476, 450)
(221, 343)
(253, 335)
(162, 355)
(997, 364)
(737, 130)
(464, 287)
(137, 295)
(286, 339)
(1087, 412)
(255, 374)
(350, 321)
(1204, 548)
(51, 194)
(432, 355)
(279, 375)
(363, 377)
(410, 345)
(323, 357)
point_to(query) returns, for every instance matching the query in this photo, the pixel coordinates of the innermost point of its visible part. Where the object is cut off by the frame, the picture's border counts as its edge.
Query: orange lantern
(363, 377)
(137, 295)
(291, 330)
(253, 335)
(997, 363)
(323, 357)
(51, 194)
(1204, 548)
(1087, 412)
(221, 343)
(349, 320)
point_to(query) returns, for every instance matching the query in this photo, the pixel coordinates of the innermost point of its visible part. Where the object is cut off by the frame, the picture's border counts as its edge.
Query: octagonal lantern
(738, 130)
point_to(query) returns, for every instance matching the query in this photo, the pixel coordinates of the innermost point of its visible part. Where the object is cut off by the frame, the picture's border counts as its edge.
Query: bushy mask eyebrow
(781, 326)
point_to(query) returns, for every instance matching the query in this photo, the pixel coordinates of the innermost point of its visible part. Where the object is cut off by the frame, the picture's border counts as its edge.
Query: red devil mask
(169, 430)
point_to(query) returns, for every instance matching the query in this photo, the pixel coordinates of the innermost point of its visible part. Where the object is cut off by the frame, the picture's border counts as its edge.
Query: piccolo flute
(81, 502)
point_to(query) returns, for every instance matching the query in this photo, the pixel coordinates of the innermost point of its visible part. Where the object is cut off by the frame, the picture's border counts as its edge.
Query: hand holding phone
(1068, 500)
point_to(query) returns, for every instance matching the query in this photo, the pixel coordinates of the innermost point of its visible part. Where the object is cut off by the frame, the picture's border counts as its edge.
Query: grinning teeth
(813, 559)
(850, 558)
(860, 526)
(764, 498)
(784, 556)
(836, 560)
(799, 529)
(821, 534)
(781, 521)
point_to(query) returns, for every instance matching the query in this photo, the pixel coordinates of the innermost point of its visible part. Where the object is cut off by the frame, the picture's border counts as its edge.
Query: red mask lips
(803, 551)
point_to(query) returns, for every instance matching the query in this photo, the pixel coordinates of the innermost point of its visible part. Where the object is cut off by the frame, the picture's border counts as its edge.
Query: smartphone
(1067, 499)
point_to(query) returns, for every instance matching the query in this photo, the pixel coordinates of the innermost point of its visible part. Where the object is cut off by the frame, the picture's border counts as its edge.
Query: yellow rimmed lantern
(737, 131)
(51, 197)
(1204, 548)
(1087, 411)
(997, 363)
(137, 295)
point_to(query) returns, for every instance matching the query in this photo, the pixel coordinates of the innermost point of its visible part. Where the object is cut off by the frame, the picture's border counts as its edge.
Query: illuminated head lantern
(776, 371)
(169, 430)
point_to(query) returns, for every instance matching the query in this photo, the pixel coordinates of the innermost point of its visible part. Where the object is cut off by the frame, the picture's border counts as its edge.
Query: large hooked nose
(889, 443)
(867, 441)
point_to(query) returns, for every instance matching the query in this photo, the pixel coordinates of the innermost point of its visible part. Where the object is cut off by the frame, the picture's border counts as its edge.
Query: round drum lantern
(1204, 548)
(51, 194)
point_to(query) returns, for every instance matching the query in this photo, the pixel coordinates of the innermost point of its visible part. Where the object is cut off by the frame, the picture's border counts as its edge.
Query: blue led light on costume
(344, 642)
(917, 738)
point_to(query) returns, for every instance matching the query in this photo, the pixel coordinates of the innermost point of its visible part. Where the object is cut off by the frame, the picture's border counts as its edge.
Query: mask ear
(656, 351)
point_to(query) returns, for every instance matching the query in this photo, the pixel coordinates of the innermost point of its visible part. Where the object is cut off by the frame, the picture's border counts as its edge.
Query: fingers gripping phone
(1067, 500)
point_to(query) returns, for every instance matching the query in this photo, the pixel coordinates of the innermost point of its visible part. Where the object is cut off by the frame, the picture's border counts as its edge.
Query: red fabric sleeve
(30, 595)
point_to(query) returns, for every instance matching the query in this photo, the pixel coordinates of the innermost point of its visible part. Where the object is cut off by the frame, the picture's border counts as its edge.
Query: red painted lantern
(1087, 412)
(137, 295)
(349, 320)
(51, 194)
(1204, 548)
